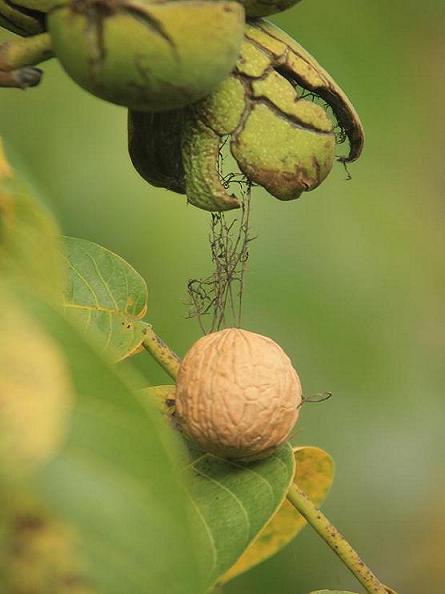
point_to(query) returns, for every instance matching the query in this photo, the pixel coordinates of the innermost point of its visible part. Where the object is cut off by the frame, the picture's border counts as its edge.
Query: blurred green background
(350, 279)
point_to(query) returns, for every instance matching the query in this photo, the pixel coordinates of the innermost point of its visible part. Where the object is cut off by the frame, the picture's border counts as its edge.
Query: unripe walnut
(237, 394)
(147, 55)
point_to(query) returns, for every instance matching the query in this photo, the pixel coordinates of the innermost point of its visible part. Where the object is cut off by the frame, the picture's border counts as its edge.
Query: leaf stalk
(161, 352)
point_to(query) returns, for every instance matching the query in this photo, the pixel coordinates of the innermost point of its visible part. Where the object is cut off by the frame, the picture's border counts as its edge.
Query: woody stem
(335, 540)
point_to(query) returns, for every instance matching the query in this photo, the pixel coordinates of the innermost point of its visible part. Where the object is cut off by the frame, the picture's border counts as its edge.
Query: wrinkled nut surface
(237, 394)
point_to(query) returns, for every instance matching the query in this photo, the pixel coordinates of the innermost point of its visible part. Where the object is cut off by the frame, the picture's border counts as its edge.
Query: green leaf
(314, 474)
(29, 238)
(332, 592)
(115, 479)
(105, 293)
(233, 501)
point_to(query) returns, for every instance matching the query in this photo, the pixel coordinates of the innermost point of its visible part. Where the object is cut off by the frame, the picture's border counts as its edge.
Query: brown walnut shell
(237, 394)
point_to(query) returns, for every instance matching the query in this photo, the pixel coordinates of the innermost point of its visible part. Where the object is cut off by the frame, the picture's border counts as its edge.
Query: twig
(157, 348)
(335, 540)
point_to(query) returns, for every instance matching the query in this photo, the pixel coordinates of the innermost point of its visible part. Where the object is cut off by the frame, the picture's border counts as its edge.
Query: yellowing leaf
(314, 474)
(5, 170)
(41, 553)
(29, 237)
(35, 392)
(332, 592)
(163, 396)
(104, 293)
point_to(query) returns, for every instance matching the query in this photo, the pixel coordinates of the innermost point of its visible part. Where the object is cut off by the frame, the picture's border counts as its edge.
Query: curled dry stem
(220, 294)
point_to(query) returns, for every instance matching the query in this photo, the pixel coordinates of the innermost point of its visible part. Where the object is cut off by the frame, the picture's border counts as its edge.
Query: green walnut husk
(26, 17)
(155, 147)
(261, 8)
(279, 139)
(145, 55)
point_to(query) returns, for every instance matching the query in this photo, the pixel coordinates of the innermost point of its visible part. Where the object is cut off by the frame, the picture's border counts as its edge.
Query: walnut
(237, 394)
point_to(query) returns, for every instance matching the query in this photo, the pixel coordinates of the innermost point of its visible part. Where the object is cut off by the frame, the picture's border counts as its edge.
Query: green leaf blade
(314, 474)
(233, 501)
(116, 479)
(106, 294)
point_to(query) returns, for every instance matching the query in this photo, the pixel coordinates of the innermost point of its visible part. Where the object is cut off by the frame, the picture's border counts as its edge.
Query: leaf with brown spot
(105, 294)
(162, 396)
(314, 474)
(41, 554)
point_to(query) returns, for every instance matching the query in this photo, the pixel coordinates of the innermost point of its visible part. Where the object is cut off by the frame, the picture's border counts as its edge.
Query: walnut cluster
(237, 394)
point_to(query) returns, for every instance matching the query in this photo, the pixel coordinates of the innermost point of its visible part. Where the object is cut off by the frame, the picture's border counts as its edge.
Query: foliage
(104, 480)
(314, 473)
(103, 292)
(92, 475)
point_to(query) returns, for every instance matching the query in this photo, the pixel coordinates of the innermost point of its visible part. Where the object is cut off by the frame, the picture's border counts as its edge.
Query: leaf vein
(263, 478)
(84, 280)
(104, 282)
(110, 332)
(208, 531)
(232, 494)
